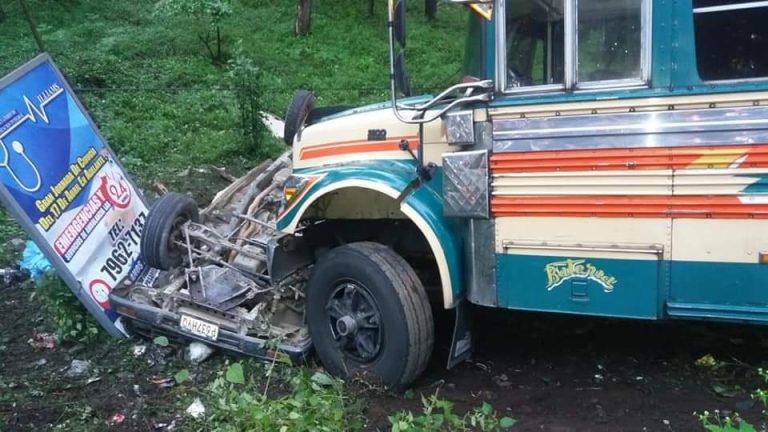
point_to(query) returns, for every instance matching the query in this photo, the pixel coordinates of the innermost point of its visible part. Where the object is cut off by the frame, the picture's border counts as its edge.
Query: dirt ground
(551, 373)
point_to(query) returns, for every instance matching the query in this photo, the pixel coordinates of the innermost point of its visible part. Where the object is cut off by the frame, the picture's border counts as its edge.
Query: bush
(315, 402)
(71, 321)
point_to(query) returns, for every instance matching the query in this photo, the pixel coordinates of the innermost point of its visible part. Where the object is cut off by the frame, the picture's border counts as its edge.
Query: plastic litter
(117, 418)
(196, 409)
(163, 382)
(34, 261)
(139, 350)
(42, 341)
(198, 352)
(78, 368)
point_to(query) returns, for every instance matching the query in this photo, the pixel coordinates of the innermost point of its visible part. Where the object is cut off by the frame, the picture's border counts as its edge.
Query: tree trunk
(32, 25)
(430, 8)
(303, 17)
(370, 7)
(2, 13)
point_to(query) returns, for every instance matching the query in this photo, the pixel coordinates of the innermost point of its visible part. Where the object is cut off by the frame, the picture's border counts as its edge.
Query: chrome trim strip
(501, 46)
(654, 249)
(731, 7)
(736, 126)
(571, 41)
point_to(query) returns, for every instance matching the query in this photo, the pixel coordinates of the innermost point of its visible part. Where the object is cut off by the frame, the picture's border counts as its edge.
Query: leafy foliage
(438, 415)
(314, 403)
(9, 229)
(70, 320)
(717, 422)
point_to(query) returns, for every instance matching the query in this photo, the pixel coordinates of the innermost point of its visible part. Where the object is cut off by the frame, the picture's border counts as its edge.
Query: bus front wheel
(369, 316)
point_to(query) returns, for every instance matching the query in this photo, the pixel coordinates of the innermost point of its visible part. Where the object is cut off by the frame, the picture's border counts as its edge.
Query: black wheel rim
(355, 321)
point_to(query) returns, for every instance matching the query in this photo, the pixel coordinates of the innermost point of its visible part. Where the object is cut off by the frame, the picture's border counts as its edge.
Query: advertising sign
(65, 186)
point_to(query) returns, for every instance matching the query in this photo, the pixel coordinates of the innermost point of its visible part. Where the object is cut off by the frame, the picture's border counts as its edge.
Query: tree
(430, 8)
(3, 15)
(210, 15)
(303, 17)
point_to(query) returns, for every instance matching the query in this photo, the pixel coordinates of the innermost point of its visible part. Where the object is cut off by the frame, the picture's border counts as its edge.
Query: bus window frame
(571, 52)
(724, 8)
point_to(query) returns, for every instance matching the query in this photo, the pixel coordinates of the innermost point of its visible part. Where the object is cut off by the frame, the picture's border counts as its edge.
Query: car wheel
(368, 314)
(301, 106)
(163, 228)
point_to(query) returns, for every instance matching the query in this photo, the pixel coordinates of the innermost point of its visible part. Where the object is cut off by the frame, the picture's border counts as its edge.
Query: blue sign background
(49, 147)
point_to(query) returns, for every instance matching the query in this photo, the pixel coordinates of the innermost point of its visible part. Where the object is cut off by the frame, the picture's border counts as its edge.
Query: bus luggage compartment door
(589, 279)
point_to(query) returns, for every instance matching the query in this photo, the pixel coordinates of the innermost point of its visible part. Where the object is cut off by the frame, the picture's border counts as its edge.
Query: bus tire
(163, 222)
(369, 316)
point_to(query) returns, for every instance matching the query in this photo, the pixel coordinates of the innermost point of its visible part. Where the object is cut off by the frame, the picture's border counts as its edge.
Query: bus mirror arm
(467, 87)
(485, 97)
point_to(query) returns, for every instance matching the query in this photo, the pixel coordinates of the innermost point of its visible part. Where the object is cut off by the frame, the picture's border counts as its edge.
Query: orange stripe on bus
(674, 206)
(360, 146)
(659, 158)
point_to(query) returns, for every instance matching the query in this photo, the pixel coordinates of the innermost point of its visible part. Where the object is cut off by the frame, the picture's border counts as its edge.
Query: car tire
(369, 315)
(301, 106)
(165, 217)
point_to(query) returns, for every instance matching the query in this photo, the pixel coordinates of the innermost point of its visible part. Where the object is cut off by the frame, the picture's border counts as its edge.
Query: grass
(163, 105)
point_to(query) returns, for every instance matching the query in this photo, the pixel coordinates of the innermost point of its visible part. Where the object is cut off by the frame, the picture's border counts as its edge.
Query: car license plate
(199, 327)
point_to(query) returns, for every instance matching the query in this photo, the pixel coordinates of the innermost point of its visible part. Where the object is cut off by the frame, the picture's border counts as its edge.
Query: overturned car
(217, 278)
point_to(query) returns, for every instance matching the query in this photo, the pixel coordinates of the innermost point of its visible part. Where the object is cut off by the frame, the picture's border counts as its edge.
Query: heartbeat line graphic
(35, 112)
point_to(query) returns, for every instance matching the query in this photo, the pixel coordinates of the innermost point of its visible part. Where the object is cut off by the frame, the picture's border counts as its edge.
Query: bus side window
(731, 39)
(535, 43)
(609, 40)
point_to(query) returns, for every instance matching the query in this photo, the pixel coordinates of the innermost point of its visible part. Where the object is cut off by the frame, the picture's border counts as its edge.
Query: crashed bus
(602, 158)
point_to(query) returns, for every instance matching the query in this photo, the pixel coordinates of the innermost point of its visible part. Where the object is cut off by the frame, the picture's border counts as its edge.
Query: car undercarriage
(224, 274)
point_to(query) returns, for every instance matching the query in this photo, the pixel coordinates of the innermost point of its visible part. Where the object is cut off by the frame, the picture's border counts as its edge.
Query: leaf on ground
(181, 376)
(507, 422)
(322, 379)
(161, 341)
(235, 374)
(724, 391)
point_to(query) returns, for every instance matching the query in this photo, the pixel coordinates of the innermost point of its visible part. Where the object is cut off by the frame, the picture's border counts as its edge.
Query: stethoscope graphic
(18, 147)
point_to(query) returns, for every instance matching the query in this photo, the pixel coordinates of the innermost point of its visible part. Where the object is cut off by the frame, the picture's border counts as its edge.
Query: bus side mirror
(401, 76)
(398, 22)
(397, 36)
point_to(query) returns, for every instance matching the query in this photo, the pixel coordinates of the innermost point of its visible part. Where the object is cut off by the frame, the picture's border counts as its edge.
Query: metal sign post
(62, 182)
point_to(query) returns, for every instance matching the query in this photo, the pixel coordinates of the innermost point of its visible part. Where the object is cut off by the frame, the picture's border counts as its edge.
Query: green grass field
(163, 105)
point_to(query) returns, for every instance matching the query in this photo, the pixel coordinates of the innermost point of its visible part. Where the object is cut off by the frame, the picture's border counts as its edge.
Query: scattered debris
(222, 172)
(34, 261)
(139, 350)
(196, 409)
(163, 382)
(117, 418)
(159, 188)
(275, 125)
(40, 362)
(198, 352)
(78, 369)
(93, 380)
(599, 378)
(10, 276)
(725, 391)
(42, 340)
(16, 244)
(706, 361)
(502, 380)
